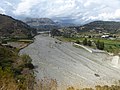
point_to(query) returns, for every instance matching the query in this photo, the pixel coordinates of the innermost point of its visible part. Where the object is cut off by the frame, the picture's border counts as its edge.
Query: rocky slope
(41, 24)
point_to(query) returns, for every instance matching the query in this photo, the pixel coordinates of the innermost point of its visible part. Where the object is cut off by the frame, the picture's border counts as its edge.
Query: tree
(97, 44)
(100, 45)
(85, 41)
(89, 43)
(55, 32)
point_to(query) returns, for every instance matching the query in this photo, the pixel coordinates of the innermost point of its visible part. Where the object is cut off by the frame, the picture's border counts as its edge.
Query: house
(105, 36)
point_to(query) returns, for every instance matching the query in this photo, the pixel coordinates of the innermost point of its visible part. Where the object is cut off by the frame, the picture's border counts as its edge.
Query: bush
(89, 43)
(77, 41)
(11, 68)
(85, 41)
(4, 42)
(26, 58)
(29, 65)
(100, 45)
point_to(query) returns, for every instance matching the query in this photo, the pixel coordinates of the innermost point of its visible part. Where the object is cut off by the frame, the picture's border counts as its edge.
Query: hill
(100, 26)
(41, 24)
(10, 27)
(15, 69)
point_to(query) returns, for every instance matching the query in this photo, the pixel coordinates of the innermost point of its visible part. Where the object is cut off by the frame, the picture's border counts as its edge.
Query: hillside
(101, 26)
(41, 24)
(15, 70)
(10, 27)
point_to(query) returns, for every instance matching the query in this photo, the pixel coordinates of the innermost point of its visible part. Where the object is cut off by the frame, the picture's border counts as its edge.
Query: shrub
(100, 45)
(85, 41)
(89, 43)
(77, 41)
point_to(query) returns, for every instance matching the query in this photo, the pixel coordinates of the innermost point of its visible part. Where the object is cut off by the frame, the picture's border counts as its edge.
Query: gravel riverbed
(69, 65)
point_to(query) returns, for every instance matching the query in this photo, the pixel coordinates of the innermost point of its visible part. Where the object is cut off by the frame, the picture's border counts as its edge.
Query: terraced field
(71, 66)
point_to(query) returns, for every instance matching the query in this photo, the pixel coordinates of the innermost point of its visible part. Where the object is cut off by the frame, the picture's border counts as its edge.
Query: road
(69, 65)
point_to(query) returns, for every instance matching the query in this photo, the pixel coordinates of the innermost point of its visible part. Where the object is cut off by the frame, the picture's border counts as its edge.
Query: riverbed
(70, 66)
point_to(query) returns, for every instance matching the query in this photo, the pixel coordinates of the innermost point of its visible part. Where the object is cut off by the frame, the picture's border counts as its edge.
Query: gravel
(69, 65)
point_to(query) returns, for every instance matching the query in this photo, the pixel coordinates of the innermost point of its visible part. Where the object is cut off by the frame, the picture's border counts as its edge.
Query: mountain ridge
(41, 24)
(10, 27)
(100, 26)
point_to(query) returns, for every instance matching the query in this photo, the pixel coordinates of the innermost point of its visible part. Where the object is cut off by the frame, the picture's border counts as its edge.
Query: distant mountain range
(10, 27)
(100, 26)
(41, 24)
(45, 24)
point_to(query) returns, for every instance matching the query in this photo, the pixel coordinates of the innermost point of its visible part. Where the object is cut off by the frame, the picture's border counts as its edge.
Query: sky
(71, 11)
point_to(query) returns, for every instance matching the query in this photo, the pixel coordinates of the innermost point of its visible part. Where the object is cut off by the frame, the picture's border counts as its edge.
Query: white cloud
(24, 7)
(77, 10)
(107, 16)
(8, 3)
(2, 11)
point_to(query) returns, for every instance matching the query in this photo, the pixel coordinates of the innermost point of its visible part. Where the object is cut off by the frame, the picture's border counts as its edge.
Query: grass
(105, 87)
(16, 72)
(26, 40)
(112, 46)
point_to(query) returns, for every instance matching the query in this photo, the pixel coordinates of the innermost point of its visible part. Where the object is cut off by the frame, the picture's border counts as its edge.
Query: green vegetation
(85, 42)
(105, 87)
(112, 46)
(16, 72)
(89, 43)
(100, 45)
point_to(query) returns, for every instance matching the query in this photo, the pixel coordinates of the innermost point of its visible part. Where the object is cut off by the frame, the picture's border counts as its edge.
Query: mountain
(10, 27)
(100, 26)
(41, 24)
(62, 24)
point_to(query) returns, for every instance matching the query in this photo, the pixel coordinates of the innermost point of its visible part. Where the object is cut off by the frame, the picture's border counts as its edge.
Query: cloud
(7, 7)
(2, 11)
(25, 6)
(8, 3)
(80, 11)
(108, 16)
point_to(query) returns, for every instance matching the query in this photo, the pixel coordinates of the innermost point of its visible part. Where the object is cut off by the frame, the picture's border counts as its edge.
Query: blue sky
(73, 11)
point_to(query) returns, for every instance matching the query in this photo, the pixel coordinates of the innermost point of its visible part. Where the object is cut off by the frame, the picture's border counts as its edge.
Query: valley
(71, 66)
(57, 57)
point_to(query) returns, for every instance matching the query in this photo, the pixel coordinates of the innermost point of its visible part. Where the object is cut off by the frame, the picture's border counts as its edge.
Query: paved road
(70, 65)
